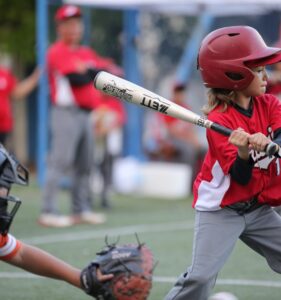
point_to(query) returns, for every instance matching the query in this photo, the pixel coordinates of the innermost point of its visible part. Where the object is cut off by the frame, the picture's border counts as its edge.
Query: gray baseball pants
(215, 235)
(71, 153)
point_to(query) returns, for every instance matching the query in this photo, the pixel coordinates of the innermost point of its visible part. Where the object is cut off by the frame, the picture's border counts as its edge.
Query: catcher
(129, 265)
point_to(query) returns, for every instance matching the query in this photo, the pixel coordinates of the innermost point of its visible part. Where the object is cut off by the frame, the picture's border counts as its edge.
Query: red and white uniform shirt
(7, 84)
(9, 246)
(63, 60)
(213, 187)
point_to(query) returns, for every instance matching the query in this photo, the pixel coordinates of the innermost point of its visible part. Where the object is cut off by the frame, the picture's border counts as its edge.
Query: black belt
(245, 207)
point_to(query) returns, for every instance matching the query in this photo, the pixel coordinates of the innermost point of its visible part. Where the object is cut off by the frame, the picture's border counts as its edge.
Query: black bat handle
(270, 149)
(221, 129)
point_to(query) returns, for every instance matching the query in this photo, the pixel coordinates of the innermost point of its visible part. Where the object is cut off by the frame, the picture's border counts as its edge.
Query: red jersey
(63, 60)
(7, 84)
(214, 188)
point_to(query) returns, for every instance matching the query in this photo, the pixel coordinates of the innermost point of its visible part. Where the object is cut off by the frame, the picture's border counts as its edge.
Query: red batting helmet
(227, 54)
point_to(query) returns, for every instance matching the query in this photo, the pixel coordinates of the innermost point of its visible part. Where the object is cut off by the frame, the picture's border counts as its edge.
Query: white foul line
(172, 280)
(115, 232)
(243, 282)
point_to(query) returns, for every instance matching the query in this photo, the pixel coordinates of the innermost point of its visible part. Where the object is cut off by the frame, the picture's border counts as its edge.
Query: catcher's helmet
(227, 54)
(11, 171)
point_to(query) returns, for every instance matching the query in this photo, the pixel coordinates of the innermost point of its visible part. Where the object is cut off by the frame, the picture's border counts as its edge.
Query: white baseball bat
(133, 93)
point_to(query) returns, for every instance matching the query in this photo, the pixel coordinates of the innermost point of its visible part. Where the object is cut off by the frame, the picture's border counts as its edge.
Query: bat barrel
(132, 93)
(115, 86)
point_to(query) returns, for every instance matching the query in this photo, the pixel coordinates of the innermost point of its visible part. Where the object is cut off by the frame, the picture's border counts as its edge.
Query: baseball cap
(67, 11)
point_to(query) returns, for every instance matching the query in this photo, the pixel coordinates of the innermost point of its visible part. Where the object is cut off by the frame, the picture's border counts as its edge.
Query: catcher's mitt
(132, 267)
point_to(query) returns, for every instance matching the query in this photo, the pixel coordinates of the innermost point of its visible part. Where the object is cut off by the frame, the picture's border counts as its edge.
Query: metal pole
(42, 127)
(133, 128)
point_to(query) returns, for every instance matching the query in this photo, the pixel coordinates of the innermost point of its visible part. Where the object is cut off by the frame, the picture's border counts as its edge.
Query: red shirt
(62, 60)
(7, 84)
(214, 188)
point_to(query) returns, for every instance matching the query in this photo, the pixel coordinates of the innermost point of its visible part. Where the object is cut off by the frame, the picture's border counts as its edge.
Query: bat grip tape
(221, 129)
(270, 149)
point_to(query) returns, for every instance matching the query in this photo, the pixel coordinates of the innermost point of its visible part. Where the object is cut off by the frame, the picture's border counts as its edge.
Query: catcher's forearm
(41, 263)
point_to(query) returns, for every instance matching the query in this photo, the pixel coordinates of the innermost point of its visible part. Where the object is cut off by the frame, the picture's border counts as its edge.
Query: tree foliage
(106, 34)
(17, 29)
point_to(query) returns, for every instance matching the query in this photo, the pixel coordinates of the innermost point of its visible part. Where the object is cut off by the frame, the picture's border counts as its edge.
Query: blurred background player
(274, 83)
(108, 127)
(171, 139)
(12, 89)
(71, 68)
(17, 253)
(183, 136)
(274, 80)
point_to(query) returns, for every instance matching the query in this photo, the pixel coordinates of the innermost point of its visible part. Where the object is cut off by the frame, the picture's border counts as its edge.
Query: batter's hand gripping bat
(133, 93)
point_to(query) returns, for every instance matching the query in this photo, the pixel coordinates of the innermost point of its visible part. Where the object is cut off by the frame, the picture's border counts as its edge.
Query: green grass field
(165, 226)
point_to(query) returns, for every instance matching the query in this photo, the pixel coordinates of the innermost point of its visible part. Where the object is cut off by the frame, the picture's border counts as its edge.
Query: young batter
(238, 185)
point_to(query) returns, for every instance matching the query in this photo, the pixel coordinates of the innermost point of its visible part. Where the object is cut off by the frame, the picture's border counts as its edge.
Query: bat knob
(271, 149)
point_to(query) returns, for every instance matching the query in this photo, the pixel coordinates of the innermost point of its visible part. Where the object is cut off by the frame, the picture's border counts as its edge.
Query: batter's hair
(218, 97)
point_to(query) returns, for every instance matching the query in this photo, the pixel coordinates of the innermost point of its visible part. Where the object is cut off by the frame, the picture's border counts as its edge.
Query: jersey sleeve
(105, 63)
(9, 246)
(220, 149)
(60, 62)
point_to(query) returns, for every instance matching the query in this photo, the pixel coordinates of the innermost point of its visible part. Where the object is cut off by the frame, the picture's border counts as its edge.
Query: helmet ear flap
(234, 76)
(229, 76)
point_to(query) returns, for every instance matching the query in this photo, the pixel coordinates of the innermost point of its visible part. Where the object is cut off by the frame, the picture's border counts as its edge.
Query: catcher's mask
(11, 171)
(227, 54)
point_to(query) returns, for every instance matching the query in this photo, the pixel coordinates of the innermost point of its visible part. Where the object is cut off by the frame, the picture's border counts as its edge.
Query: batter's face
(71, 31)
(258, 85)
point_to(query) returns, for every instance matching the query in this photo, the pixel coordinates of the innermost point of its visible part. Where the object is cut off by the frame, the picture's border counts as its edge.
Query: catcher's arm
(39, 262)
